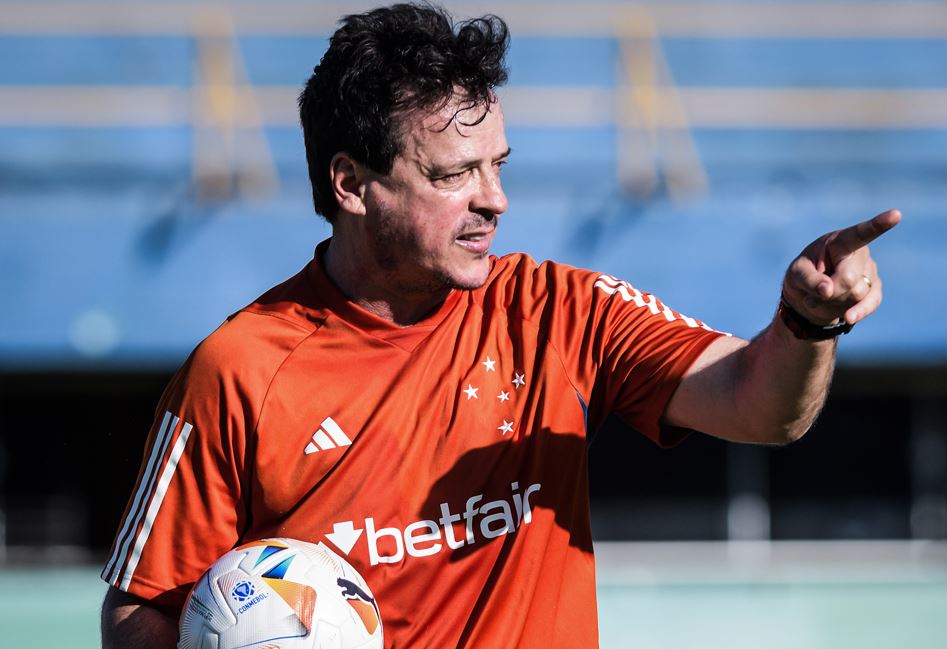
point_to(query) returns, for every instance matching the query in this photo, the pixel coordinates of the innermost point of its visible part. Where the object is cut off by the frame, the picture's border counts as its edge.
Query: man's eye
(452, 177)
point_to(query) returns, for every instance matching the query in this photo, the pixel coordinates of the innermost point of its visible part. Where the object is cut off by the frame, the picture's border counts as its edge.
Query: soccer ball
(280, 593)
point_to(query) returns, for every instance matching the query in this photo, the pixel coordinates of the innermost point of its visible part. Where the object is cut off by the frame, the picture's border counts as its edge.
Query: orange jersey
(446, 460)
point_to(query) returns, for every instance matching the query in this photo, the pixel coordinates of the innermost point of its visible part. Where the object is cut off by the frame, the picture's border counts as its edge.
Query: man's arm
(770, 389)
(130, 622)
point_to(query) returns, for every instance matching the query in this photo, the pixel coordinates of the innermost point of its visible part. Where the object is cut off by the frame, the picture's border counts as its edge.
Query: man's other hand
(131, 623)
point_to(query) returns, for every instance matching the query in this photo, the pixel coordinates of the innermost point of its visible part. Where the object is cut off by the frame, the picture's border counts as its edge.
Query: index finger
(850, 239)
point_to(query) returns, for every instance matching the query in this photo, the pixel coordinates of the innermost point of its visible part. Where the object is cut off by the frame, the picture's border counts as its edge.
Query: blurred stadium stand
(153, 180)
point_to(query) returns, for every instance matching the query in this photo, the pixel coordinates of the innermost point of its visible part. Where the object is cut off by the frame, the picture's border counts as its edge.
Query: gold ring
(867, 280)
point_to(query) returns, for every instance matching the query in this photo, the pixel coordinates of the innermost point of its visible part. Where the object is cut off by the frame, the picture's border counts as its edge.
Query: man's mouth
(477, 241)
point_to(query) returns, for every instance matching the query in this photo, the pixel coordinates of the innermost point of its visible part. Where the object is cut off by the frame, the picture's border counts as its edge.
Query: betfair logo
(477, 522)
(329, 436)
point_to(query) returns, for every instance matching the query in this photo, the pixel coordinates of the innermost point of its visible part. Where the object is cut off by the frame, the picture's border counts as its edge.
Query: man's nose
(490, 197)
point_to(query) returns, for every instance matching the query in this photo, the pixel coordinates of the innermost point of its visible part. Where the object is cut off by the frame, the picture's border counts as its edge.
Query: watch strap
(803, 329)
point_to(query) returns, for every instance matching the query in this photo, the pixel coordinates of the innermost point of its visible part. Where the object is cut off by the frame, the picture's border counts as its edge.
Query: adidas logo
(328, 436)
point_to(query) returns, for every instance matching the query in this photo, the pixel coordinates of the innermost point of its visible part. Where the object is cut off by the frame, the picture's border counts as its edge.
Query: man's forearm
(771, 389)
(765, 391)
(830, 286)
(783, 384)
(129, 622)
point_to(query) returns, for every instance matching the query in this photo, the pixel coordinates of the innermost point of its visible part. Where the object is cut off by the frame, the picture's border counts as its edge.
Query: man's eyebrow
(436, 170)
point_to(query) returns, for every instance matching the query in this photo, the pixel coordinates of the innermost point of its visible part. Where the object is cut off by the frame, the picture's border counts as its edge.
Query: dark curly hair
(384, 65)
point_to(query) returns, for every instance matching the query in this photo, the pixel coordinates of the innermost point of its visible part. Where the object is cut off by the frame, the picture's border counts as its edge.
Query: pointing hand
(835, 278)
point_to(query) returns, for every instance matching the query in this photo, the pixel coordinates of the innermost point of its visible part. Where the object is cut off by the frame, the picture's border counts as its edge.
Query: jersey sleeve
(187, 506)
(626, 351)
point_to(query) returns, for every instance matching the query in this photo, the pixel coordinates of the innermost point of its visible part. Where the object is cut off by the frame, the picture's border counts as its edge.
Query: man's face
(430, 222)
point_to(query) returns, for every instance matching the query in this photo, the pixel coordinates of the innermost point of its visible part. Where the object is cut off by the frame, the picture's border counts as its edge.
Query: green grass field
(774, 616)
(651, 596)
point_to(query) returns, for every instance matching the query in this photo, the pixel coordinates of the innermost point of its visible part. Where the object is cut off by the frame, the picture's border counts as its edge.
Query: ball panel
(299, 597)
(366, 613)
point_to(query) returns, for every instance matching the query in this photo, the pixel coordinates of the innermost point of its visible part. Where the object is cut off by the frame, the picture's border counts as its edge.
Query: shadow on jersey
(509, 485)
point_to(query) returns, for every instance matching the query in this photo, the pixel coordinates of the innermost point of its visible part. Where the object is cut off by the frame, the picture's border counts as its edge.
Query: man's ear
(348, 183)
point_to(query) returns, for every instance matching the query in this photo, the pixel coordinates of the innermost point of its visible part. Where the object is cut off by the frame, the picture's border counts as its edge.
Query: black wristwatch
(805, 330)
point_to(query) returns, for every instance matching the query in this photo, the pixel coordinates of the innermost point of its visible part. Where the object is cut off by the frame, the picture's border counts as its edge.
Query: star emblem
(504, 396)
(471, 392)
(489, 363)
(519, 380)
(507, 427)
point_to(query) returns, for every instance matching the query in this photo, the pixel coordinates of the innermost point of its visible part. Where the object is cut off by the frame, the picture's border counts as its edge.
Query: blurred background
(153, 180)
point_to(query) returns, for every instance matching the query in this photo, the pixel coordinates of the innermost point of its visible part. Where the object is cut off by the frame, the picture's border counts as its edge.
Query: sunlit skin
(402, 241)
(770, 389)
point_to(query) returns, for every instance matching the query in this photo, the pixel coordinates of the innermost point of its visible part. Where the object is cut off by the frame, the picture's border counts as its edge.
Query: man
(422, 407)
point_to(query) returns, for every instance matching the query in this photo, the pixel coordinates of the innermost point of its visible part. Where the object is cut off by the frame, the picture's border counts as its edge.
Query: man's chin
(474, 278)
(469, 285)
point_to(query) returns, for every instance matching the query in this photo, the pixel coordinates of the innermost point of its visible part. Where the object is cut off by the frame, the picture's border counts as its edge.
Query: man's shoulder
(523, 288)
(520, 271)
(250, 336)
(292, 304)
(254, 341)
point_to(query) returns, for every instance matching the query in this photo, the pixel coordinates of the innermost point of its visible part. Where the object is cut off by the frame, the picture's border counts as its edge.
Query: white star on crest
(471, 392)
(489, 364)
(507, 427)
(504, 396)
(519, 380)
